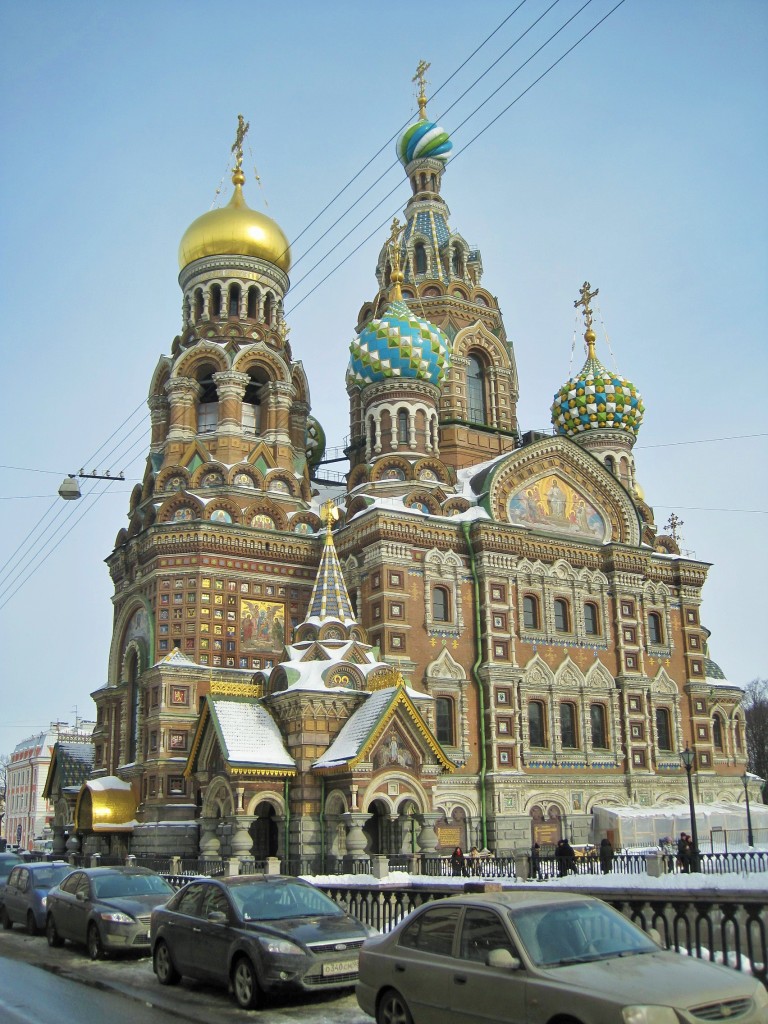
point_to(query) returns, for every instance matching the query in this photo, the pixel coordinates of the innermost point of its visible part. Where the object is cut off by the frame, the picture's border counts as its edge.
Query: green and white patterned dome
(399, 344)
(597, 399)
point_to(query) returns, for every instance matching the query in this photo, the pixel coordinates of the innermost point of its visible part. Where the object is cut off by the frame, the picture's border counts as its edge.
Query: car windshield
(577, 933)
(46, 878)
(113, 886)
(274, 901)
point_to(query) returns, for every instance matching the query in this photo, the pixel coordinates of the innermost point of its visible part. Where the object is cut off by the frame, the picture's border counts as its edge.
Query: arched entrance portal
(377, 829)
(263, 832)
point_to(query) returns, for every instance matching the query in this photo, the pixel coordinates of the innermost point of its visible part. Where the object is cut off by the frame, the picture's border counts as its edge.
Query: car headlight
(280, 946)
(649, 1015)
(43, 900)
(116, 917)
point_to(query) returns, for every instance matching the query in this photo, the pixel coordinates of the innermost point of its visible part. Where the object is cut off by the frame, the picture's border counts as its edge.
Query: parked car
(24, 896)
(530, 958)
(105, 909)
(256, 934)
(8, 861)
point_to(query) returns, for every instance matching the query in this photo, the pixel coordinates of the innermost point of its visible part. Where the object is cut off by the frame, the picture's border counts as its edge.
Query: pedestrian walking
(606, 855)
(536, 861)
(458, 863)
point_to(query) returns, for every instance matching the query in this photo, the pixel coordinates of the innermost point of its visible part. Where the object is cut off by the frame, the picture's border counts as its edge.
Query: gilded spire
(396, 276)
(420, 77)
(589, 334)
(238, 178)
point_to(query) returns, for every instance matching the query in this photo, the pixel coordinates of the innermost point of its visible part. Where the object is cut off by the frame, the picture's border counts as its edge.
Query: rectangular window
(176, 785)
(591, 620)
(498, 592)
(599, 731)
(500, 621)
(627, 609)
(568, 725)
(395, 579)
(444, 720)
(536, 723)
(637, 731)
(663, 731)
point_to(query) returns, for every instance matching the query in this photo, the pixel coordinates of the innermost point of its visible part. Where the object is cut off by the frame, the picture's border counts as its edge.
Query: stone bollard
(273, 865)
(522, 865)
(379, 865)
(232, 866)
(95, 860)
(130, 860)
(654, 865)
(175, 865)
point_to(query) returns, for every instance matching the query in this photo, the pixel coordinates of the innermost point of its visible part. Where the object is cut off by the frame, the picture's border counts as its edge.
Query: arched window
(253, 303)
(420, 258)
(269, 304)
(476, 390)
(717, 732)
(208, 406)
(655, 635)
(663, 730)
(444, 721)
(440, 604)
(562, 618)
(215, 302)
(610, 464)
(199, 303)
(456, 260)
(234, 300)
(251, 418)
(568, 732)
(530, 612)
(597, 721)
(738, 736)
(591, 619)
(402, 426)
(134, 695)
(536, 730)
(371, 432)
(433, 182)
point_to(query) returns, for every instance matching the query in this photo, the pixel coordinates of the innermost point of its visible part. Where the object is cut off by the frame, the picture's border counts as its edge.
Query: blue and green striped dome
(399, 344)
(423, 139)
(597, 399)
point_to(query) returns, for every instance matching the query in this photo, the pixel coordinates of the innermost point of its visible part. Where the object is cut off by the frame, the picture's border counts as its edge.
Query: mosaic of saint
(552, 505)
(262, 625)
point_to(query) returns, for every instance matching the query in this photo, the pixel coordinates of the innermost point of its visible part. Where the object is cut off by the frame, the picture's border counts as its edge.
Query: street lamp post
(687, 757)
(750, 837)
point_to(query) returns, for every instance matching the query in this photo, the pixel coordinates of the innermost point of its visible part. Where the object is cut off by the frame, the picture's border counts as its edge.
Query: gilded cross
(237, 145)
(329, 512)
(420, 77)
(586, 297)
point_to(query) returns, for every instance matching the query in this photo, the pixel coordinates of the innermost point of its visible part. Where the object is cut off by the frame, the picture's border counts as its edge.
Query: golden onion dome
(235, 230)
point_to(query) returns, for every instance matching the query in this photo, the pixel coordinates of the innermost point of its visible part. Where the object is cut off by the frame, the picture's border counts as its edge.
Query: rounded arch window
(199, 303)
(234, 300)
(655, 633)
(536, 723)
(591, 619)
(269, 307)
(456, 260)
(440, 604)
(717, 732)
(419, 258)
(402, 426)
(215, 306)
(253, 303)
(444, 721)
(663, 729)
(481, 300)
(610, 464)
(568, 731)
(208, 403)
(562, 616)
(478, 410)
(530, 612)
(598, 724)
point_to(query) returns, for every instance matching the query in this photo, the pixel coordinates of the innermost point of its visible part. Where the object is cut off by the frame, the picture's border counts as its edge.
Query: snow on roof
(682, 810)
(107, 784)
(249, 733)
(356, 729)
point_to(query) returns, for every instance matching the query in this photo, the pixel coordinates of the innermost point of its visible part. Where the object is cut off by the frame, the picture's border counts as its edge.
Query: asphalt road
(125, 991)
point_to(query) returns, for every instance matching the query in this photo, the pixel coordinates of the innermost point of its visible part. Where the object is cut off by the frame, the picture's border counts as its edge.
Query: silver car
(105, 909)
(539, 958)
(25, 895)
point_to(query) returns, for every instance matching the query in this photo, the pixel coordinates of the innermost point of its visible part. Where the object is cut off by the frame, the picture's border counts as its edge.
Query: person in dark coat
(606, 856)
(535, 861)
(458, 864)
(684, 852)
(564, 856)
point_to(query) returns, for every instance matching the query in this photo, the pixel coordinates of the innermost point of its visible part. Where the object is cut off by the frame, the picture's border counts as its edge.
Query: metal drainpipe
(287, 839)
(322, 823)
(479, 652)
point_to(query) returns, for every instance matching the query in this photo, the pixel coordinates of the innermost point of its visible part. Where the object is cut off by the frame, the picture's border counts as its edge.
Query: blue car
(24, 896)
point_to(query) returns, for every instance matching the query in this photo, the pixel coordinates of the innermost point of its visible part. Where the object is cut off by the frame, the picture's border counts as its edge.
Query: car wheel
(162, 965)
(31, 923)
(245, 984)
(95, 945)
(392, 1009)
(6, 921)
(54, 939)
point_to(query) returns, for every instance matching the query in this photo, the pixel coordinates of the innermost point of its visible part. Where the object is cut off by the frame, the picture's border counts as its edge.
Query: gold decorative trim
(253, 690)
(402, 698)
(280, 773)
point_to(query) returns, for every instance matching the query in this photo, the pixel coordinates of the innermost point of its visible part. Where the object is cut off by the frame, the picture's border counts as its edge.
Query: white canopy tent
(648, 826)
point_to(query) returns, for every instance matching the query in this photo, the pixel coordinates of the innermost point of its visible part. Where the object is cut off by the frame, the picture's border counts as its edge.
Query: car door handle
(399, 969)
(460, 979)
(197, 930)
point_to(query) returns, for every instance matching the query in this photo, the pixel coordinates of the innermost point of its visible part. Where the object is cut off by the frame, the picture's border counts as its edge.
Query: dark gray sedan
(105, 909)
(256, 934)
(25, 895)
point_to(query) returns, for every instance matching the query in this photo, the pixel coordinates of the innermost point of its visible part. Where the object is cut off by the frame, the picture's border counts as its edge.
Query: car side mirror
(503, 958)
(80, 897)
(217, 917)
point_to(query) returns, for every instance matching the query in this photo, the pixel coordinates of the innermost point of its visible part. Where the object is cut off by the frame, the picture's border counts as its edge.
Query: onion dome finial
(596, 398)
(424, 138)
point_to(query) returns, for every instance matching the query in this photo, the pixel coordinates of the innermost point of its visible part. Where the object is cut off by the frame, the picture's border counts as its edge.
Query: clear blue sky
(639, 163)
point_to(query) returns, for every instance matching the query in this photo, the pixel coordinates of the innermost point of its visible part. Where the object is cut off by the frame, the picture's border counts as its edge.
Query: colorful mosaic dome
(596, 398)
(423, 139)
(399, 344)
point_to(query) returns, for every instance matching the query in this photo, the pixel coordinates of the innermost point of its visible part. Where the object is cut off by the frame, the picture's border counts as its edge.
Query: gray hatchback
(256, 934)
(105, 909)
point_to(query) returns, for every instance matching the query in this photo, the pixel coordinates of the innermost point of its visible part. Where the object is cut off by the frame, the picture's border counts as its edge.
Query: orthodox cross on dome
(673, 524)
(396, 275)
(330, 513)
(237, 148)
(586, 297)
(420, 77)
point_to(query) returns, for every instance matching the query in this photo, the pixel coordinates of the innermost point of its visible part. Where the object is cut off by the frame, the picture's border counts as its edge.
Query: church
(481, 638)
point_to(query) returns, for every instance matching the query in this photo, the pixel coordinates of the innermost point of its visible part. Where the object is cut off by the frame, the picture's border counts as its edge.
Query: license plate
(339, 967)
